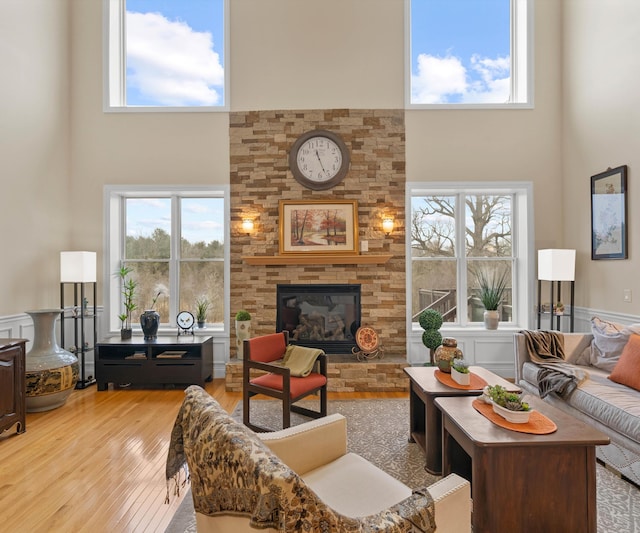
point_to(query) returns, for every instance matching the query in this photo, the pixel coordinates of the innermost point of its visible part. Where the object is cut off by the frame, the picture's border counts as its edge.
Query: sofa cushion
(609, 339)
(627, 370)
(354, 487)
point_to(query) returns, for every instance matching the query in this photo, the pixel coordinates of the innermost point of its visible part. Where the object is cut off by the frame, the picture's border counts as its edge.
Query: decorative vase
(243, 331)
(201, 324)
(447, 352)
(460, 377)
(491, 319)
(126, 333)
(149, 321)
(515, 417)
(51, 372)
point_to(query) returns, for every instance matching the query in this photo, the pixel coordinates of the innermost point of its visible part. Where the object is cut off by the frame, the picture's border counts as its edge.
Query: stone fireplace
(323, 315)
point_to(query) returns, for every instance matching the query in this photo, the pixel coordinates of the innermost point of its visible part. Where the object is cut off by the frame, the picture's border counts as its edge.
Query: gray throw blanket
(546, 349)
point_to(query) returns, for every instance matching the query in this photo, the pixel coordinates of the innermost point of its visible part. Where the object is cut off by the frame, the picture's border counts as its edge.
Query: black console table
(185, 360)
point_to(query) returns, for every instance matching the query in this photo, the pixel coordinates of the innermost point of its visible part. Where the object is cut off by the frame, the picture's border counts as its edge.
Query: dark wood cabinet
(181, 360)
(12, 384)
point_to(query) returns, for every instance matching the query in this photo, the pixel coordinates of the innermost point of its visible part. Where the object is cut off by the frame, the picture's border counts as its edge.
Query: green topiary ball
(431, 338)
(430, 319)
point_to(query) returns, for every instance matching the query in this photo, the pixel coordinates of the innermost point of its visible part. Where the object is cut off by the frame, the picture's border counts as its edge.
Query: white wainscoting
(21, 327)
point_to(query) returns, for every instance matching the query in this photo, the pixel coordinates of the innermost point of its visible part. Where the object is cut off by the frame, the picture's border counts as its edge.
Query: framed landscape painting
(318, 227)
(609, 214)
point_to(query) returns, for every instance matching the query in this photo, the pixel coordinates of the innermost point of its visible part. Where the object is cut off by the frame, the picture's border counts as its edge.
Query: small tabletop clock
(185, 322)
(368, 343)
(319, 159)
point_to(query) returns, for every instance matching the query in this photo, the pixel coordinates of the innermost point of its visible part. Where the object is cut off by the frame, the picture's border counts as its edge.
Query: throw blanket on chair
(234, 473)
(546, 349)
(300, 359)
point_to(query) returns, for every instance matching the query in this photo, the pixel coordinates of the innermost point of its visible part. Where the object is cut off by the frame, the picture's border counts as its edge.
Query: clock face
(319, 159)
(185, 319)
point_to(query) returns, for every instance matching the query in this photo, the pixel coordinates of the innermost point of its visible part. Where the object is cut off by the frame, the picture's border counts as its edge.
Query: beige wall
(601, 129)
(34, 151)
(61, 148)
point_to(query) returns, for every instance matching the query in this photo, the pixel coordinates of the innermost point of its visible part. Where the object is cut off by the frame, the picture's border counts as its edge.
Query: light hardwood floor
(97, 463)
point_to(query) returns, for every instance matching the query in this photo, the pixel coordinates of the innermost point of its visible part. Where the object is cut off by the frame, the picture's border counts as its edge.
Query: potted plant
(559, 308)
(509, 405)
(492, 290)
(129, 286)
(243, 329)
(460, 372)
(431, 320)
(202, 306)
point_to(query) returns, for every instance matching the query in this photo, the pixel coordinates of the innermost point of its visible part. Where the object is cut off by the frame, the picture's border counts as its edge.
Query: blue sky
(202, 218)
(175, 52)
(459, 51)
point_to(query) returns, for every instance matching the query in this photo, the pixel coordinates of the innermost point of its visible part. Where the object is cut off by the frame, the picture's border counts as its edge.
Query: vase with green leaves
(202, 307)
(492, 289)
(128, 291)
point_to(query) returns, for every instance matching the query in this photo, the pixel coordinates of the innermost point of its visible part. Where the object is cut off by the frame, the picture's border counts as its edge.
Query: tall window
(165, 54)
(469, 53)
(461, 235)
(174, 244)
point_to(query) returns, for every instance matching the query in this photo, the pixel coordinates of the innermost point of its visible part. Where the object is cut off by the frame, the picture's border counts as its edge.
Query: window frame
(114, 249)
(522, 59)
(522, 244)
(114, 65)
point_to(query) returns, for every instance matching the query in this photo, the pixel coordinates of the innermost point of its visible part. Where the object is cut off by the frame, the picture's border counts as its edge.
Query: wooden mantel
(324, 259)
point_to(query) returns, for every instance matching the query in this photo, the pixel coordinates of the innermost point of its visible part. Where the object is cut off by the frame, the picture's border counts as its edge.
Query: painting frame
(331, 226)
(609, 214)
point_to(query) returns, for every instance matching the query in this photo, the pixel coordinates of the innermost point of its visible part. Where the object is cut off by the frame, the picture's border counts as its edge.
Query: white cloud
(171, 63)
(445, 79)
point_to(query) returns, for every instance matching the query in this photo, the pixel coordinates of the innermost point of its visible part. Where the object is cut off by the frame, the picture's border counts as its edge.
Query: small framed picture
(318, 227)
(609, 214)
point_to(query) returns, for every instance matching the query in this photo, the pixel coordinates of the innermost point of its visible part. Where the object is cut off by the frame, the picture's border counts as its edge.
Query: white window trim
(114, 65)
(522, 18)
(114, 220)
(523, 242)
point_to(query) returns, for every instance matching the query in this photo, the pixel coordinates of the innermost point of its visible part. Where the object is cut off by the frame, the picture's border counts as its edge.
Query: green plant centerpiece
(508, 405)
(202, 307)
(128, 291)
(460, 371)
(243, 330)
(492, 289)
(431, 321)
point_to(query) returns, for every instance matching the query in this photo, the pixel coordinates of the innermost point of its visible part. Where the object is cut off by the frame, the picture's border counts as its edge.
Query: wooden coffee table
(519, 481)
(426, 419)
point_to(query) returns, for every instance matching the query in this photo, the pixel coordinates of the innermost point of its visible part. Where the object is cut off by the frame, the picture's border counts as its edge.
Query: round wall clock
(319, 159)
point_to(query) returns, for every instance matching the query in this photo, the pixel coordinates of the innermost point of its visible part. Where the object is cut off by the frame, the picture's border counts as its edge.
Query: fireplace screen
(320, 316)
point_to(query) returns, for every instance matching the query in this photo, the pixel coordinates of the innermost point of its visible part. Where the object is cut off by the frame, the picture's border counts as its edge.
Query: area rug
(378, 430)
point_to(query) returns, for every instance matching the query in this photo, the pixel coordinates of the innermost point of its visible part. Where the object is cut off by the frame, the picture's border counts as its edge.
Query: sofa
(297, 479)
(596, 359)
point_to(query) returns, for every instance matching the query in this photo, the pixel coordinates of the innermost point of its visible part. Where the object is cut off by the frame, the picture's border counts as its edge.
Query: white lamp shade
(557, 265)
(77, 267)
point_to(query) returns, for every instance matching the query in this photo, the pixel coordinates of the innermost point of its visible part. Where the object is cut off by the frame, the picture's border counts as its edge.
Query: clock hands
(320, 161)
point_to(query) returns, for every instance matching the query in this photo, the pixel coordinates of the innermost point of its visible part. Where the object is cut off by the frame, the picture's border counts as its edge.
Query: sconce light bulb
(247, 225)
(387, 225)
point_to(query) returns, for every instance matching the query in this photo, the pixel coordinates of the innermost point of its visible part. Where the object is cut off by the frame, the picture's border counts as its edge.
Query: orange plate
(538, 423)
(477, 383)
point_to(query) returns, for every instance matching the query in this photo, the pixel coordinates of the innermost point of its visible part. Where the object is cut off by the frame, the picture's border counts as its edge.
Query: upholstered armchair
(283, 379)
(298, 479)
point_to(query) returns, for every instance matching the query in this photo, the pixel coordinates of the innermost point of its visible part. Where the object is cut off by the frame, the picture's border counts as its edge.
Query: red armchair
(264, 353)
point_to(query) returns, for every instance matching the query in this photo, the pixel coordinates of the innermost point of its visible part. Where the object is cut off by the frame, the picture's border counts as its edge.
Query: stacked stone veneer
(344, 377)
(260, 177)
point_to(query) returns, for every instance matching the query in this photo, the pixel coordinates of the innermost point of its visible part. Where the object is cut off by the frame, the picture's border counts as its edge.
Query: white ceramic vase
(515, 417)
(51, 372)
(460, 377)
(491, 319)
(243, 331)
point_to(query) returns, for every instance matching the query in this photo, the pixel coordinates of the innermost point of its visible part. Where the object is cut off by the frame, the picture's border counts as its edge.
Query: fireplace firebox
(324, 316)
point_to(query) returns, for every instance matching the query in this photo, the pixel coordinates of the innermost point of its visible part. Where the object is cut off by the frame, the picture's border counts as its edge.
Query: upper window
(461, 236)
(174, 243)
(165, 54)
(472, 53)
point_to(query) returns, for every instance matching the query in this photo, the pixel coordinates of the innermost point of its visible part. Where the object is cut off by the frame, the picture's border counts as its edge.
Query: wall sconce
(247, 225)
(387, 225)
